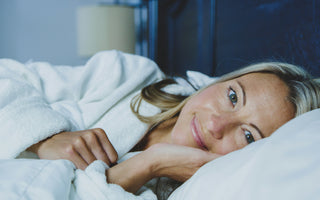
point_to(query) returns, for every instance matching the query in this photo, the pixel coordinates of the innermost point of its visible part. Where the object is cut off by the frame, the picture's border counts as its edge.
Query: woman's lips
(196, 133)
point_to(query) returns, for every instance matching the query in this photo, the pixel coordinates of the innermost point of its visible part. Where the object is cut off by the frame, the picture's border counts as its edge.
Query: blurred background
(210, 36)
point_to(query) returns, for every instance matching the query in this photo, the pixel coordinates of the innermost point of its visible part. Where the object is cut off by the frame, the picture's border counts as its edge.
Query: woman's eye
(249, 137)
(233, 96)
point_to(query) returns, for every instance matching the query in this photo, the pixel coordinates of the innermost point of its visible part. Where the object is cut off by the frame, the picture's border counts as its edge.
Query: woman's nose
(218, 126)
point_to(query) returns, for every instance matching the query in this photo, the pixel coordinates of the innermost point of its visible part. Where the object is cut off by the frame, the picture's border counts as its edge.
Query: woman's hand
(178, 162)
(80, 147)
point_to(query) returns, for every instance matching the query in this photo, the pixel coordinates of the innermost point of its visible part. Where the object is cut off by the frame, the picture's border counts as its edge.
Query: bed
(283, 166)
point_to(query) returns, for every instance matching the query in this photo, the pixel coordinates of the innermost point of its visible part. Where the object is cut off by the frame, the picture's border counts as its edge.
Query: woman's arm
(160, 160)
(131, 174)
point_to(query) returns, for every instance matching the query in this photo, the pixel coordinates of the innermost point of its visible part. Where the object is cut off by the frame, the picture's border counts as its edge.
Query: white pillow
(284, 166)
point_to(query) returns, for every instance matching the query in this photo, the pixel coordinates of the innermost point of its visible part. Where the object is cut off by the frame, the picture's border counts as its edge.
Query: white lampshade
(105, 27)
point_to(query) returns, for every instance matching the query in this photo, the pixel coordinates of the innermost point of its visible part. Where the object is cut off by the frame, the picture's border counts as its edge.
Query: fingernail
(113, 164)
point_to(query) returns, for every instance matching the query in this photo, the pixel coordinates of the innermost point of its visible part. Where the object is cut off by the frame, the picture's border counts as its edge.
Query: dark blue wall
(240, 33)
(252, 31)
(186, 36)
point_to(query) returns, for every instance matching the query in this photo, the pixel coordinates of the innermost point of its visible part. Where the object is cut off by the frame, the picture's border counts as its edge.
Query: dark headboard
(218, 36)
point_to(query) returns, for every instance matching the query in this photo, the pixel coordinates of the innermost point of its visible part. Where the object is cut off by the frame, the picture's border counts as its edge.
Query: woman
(236, 110)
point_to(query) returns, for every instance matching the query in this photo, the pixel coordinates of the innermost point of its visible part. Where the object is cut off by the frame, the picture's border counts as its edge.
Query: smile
(196, 133)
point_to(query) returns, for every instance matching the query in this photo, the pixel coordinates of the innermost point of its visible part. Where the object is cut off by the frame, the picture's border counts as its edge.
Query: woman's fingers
(80, 147)
(83, 150)
(96, 148)
(107, 146)
(74, 156)
(100, 146)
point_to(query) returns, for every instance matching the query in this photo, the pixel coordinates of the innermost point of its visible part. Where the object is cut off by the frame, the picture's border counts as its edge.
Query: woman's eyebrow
(258, 130)
(243, 93)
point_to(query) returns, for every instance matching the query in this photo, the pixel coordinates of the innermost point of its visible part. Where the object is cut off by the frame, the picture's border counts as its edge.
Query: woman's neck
(159, 134)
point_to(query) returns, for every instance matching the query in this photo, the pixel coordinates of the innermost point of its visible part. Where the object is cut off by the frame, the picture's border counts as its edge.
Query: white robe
(39, 100)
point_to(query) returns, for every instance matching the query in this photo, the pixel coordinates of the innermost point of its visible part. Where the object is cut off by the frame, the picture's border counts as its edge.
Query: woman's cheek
(227, 146)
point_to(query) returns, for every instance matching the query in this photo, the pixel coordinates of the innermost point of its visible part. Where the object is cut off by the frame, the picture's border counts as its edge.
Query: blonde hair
(304, 91)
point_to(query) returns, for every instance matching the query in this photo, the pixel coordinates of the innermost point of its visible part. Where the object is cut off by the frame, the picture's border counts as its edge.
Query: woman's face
(228, 116)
